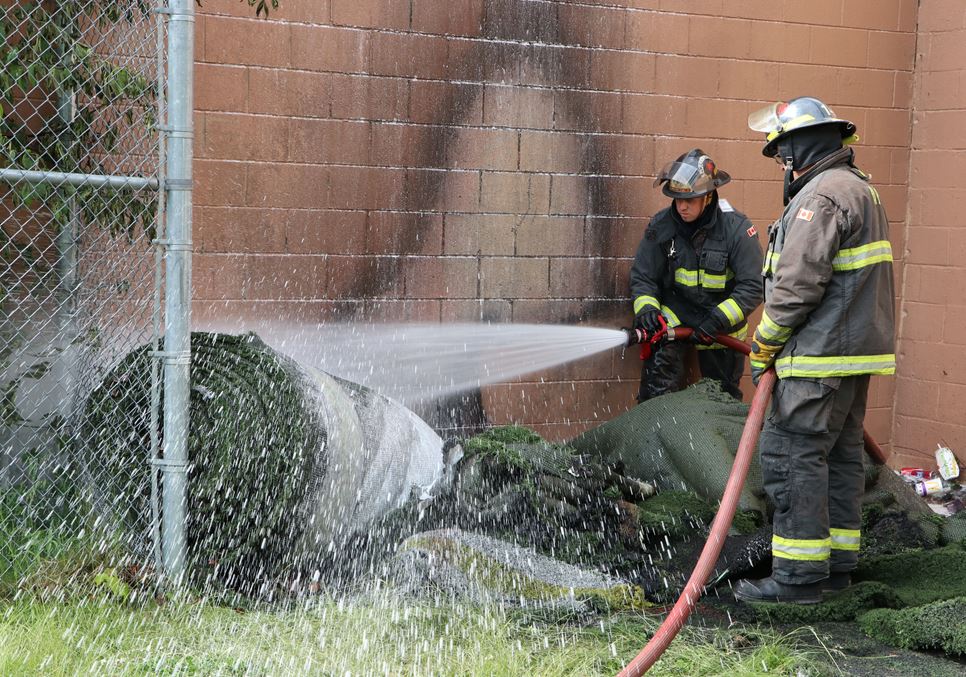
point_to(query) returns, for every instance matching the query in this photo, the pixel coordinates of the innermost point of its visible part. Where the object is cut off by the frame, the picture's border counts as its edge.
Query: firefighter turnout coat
(829, 294)
(829, 309)
(717, 270)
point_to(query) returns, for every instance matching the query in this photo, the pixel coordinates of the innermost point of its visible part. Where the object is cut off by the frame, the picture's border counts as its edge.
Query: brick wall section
(931, 384)
(493, 159)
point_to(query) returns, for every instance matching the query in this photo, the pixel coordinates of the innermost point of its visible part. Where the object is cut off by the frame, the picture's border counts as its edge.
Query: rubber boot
(770, 590)
(836, 582)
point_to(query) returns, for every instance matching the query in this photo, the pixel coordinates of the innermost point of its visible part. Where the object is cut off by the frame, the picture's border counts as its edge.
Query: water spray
(430, 360)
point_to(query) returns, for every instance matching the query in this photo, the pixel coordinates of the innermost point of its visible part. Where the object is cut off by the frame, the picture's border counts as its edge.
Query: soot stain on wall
(522, 40)
(509, 27)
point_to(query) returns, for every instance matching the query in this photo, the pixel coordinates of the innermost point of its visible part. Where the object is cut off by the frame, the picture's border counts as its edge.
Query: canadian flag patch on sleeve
(751, 232)
(805, 214)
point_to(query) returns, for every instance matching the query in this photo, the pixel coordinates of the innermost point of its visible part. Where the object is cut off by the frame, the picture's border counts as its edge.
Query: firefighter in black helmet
(827, 326)
(698, 265)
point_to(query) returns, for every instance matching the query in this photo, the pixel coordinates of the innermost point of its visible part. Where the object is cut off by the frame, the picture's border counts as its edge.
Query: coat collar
(843, 156)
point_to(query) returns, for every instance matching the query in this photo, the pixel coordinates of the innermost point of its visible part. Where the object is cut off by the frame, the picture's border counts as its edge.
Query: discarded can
(930, 487)
(946, 460)
(918, 473)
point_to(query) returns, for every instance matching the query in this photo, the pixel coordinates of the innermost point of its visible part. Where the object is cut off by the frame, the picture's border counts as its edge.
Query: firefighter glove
(649, 320)
(762, 357)
(705, 331)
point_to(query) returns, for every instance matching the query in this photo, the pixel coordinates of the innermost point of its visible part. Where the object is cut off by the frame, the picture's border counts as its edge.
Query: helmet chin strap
(786, 190)
(786, 151)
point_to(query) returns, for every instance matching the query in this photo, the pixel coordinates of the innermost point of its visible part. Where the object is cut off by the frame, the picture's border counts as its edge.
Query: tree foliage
(66, 106)
(48, 53)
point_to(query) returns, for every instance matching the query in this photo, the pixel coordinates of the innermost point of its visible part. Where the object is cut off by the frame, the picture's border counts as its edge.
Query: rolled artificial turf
(254, 447)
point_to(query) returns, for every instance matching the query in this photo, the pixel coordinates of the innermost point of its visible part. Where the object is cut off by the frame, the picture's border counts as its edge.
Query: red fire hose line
(692, 592)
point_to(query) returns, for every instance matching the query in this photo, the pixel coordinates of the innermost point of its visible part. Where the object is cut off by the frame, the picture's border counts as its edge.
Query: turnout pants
(663, 372)
(812, 463)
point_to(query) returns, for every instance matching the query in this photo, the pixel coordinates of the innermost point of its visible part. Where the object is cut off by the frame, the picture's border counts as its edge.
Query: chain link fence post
(177, 333)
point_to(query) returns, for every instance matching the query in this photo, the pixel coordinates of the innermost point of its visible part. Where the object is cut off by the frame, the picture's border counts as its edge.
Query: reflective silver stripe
(811, 549)
(714, 281)
(702, 278)
(846, 539)
(688, 278)
(771, 261)
(772, 332)
(824, 367)
(732, 311)
(672, 319)
(853, 258)
(642, 301)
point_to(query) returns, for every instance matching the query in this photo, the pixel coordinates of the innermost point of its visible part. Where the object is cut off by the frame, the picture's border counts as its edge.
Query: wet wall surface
(492, 159)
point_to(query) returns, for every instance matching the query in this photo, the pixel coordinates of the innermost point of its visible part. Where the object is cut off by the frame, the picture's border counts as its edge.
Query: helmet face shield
(692, 175)
(683, 178)
(766, 119)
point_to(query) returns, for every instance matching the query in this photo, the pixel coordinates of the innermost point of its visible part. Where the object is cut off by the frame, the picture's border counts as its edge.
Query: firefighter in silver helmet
(698, 265)
(827, 326)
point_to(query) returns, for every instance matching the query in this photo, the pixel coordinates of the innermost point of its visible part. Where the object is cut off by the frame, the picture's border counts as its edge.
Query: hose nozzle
(634, 336)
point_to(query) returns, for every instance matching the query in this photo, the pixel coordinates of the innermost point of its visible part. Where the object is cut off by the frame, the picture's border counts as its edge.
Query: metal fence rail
(84, 195)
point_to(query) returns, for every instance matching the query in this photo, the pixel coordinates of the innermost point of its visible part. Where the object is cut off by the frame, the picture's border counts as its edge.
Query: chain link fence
(81, 153)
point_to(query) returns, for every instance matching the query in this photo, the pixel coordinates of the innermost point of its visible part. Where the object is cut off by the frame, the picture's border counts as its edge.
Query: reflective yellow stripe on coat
(642, 301)
(671, 317)
(732, 311)
(853, 258)
(827, 367)
(685, 277)
(850, 258)
(771, 332)
(702, 278)
(771, 260)
(713, 280)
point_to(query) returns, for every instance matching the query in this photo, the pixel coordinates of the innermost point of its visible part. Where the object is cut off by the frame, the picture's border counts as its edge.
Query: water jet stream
(421, 361)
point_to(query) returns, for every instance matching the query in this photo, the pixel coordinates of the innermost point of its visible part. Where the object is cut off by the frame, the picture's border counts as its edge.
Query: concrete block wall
(931, 383)
(493, 159)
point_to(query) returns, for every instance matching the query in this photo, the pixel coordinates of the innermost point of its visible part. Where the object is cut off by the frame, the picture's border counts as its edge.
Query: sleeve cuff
(643, 302)
(771, 332)
(730, 313)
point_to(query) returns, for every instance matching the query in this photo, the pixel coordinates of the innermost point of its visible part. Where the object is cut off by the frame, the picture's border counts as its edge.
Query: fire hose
(694, 588)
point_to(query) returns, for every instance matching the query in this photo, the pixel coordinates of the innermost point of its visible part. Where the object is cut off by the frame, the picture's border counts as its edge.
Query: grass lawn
(377, 635)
